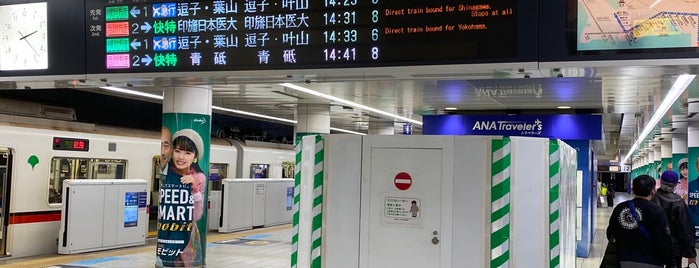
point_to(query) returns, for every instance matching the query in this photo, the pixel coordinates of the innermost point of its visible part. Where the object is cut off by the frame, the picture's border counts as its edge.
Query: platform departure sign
(157, 36)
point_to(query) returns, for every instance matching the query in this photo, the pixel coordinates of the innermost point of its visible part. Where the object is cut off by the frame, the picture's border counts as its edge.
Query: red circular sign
(403, 181)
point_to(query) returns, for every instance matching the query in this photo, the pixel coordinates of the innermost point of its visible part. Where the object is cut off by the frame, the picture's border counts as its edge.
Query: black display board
(215, 35)
(66, 44)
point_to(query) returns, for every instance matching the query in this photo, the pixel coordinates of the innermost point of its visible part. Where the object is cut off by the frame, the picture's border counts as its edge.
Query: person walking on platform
(677, 214)
(640, 230)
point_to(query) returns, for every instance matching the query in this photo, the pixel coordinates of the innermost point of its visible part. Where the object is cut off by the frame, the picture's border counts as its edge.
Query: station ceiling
(624, 92)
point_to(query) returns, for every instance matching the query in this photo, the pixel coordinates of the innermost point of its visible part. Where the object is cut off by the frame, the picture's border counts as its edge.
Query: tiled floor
(265, 247)
(599, 241)
(258, 248)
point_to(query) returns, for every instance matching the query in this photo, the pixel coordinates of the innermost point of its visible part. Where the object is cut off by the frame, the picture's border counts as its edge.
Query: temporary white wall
(569, 166)
(470, 208)
(530, 193)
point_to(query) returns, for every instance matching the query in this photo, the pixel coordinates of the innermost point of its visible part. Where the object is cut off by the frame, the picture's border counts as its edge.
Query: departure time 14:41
(340, 54)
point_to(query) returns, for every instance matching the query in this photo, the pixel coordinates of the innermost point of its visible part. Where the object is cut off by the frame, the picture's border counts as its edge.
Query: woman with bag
(638, 231)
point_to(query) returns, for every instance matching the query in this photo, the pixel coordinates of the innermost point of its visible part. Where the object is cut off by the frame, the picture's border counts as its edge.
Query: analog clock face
(23, 37)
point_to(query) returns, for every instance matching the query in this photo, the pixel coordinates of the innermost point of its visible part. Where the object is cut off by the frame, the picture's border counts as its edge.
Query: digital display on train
(160, 36)
(71, 144)
(614, 25)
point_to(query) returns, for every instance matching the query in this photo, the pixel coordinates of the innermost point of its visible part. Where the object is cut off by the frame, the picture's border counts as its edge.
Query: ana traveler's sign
(560, 126)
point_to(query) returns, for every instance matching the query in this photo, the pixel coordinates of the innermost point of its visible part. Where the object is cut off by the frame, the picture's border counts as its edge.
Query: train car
(37, 155)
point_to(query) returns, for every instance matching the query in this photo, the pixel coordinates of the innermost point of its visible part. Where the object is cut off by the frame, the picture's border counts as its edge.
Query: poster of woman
(181, 213)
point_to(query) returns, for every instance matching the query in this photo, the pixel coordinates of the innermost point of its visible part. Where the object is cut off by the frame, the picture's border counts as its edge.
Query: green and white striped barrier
(297, 199)
(500, 204)
(316, 222)
(554, 204)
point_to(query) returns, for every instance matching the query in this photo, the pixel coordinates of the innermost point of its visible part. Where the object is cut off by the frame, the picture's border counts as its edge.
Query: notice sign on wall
(401, 210)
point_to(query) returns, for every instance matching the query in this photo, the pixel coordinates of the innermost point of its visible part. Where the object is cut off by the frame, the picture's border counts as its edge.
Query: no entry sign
(403, 181)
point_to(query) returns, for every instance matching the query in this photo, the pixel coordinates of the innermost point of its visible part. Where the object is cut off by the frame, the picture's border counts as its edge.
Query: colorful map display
(627, 24)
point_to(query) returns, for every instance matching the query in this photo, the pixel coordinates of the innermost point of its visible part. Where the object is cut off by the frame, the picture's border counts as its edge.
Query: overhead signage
(210, 35)
(560, 126)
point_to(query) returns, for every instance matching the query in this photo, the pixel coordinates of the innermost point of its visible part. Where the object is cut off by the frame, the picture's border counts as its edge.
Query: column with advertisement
(679, 152)
(693, 154)
(182, 221)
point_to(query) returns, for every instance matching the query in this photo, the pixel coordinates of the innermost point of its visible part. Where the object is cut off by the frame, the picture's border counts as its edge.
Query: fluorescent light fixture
(563, 107)
(346, 131)
(159, 97)
(677, 89)
(350, 103)
(254, 114)
(133, 92)
(450, 108)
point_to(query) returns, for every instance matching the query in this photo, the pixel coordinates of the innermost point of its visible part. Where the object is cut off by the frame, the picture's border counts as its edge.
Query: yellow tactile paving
(54, 259)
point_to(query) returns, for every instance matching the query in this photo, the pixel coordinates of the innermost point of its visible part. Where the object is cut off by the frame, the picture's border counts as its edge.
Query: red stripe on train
(33, 217)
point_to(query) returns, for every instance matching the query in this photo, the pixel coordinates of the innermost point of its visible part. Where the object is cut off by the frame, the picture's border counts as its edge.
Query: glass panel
(217, 172)
(259, 171)
(107, 168)
(288, 169)
(67, 168)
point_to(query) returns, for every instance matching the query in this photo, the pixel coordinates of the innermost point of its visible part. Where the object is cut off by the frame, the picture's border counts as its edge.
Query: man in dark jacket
(678, 219)
(640, 229)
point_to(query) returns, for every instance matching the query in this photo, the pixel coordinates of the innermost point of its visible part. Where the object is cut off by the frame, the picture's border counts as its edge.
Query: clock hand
(25, 40)
(28, 35)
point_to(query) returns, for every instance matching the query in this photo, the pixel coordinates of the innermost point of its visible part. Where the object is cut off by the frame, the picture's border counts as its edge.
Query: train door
(5, 181)
(154, 197)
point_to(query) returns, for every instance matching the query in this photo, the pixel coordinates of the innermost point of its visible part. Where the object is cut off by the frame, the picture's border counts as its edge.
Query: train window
(217, 172)
(288, 169)
(70, 168)
(107, 169)
(259, 171)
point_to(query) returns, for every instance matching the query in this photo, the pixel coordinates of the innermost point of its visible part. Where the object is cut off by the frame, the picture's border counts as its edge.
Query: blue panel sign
(560, 126)
(289, 197)
(142, 198)
(131, 200)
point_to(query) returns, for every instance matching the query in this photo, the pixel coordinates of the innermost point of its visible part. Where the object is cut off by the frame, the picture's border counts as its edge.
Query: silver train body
(33, 165)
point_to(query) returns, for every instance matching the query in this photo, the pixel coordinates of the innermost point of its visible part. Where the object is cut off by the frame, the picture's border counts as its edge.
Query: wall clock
(23, 37)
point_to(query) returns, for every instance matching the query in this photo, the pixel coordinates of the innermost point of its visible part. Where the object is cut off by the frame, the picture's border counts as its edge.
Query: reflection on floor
(258, 248)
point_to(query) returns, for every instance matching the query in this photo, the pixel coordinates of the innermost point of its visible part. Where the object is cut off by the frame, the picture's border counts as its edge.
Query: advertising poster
(693, 186)
(182, 210)
(679, 164)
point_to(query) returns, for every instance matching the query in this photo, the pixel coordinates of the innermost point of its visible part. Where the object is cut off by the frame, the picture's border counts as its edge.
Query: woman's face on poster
(182, 159)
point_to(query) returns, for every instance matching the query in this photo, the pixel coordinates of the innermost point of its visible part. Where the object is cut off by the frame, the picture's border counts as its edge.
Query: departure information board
(160, 36)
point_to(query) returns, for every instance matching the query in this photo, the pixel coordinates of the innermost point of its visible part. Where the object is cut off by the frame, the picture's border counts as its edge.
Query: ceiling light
(133, 92)
(563, 107)
(346, 131)
(450, 108)
(254, 114)
(153, 96)
(677, 89)
(349, 103)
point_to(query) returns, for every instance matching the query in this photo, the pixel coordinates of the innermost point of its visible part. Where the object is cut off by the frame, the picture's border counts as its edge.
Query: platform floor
(257, 248)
